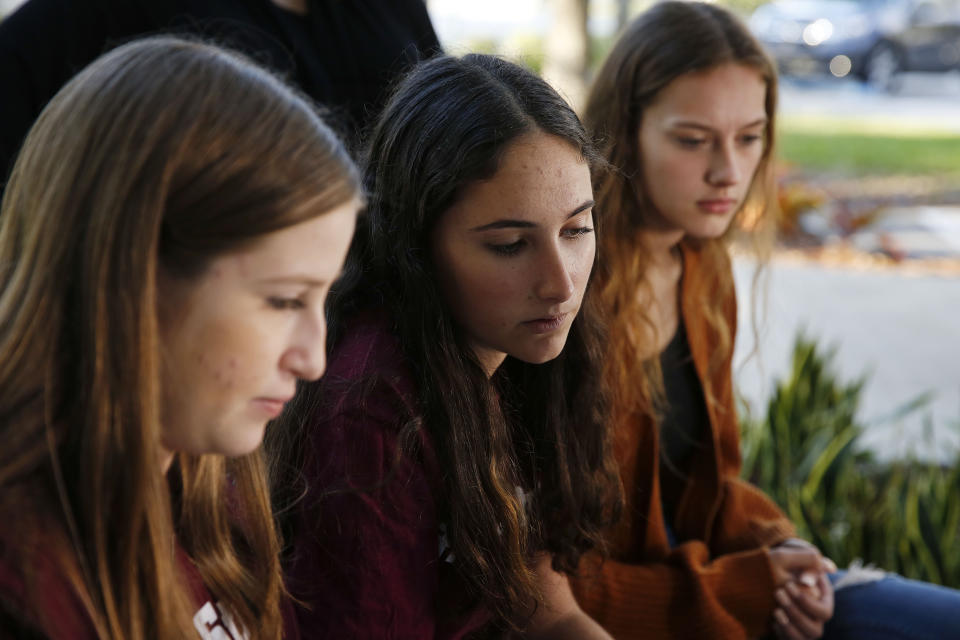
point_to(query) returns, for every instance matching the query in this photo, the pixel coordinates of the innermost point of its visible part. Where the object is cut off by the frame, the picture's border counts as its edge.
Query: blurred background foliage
(856, 146)
(903, 514)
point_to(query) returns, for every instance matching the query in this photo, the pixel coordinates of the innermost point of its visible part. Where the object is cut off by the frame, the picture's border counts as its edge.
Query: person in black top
(342, 53)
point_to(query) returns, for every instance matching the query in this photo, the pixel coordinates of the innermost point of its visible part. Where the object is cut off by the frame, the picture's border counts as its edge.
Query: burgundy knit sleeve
(364, 559)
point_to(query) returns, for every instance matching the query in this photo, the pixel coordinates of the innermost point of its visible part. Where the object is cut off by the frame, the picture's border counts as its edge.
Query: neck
(490, 359)
(293, 6)
(491, 362)
(661, 246)
(166, 459)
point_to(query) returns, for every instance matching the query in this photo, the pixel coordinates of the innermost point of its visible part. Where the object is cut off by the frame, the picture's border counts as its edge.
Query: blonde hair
(161, 154)
(667, 41)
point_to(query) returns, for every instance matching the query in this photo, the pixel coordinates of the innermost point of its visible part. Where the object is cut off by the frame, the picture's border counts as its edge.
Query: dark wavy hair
(542, 427)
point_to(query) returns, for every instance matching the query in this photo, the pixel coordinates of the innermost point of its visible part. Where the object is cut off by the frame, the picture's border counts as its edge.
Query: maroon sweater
(62, 615)
(368, 557)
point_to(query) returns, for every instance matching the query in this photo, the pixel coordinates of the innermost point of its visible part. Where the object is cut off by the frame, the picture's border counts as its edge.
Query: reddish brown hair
(667, 41)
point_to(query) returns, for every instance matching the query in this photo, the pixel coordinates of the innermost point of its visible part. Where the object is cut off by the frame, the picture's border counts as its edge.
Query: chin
(244, 442)
(541, 354)
(709, 232)
(538, 359)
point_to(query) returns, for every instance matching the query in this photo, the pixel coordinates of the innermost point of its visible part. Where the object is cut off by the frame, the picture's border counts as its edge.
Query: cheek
(668, 173)
(753, 162)
(220, 367)
(681, 171)
(232, 355)
(492, 290)
(582, 265)
(483, 291)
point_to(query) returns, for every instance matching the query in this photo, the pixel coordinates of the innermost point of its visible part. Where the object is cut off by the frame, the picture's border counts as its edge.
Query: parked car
(872, 39)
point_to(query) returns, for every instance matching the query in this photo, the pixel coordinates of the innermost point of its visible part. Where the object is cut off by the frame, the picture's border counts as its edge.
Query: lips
(271, 406)
(717, 206)
(546, 324)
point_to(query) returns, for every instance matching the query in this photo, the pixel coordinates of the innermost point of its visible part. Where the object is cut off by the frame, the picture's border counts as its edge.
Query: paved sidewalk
(928, 100)
(904, 330)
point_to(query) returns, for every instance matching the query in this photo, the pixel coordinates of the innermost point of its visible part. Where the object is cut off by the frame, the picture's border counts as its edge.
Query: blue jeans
(894, 608)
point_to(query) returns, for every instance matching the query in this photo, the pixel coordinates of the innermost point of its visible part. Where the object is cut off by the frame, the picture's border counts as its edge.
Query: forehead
(312, 246)
(539, 176)
(730, 95)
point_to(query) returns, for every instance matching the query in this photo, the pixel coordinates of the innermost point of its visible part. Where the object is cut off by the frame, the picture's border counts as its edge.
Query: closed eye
(690, 143)
(577, 232)
(286, 304)
(507, 249)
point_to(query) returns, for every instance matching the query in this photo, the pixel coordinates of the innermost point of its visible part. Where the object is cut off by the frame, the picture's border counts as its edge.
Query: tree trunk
(568, 50)
(623, 14)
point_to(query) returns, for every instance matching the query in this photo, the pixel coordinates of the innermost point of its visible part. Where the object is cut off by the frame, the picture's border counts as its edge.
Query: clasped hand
(804, 595)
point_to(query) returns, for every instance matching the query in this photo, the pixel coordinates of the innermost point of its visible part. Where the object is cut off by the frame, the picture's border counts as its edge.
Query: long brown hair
(161, 154)
(669, 40)
(446, 126)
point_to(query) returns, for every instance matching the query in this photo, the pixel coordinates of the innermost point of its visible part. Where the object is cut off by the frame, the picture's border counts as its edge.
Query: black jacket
(344, 54)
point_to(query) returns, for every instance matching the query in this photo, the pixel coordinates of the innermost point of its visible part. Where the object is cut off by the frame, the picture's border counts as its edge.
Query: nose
(724, 169)
(306, 356)
(555, 282)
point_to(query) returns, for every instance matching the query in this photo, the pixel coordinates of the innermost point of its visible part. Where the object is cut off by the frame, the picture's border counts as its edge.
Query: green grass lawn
(868, 147)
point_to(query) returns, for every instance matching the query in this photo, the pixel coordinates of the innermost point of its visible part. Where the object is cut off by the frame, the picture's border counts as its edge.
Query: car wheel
(883, 67)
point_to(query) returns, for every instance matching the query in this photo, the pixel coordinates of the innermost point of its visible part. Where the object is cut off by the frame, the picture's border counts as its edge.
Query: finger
(829, 565)
(784, 628)
(809, 584)
(795, 560)
(826, 597)
(799, 543)
(814, 608)
(808, 626)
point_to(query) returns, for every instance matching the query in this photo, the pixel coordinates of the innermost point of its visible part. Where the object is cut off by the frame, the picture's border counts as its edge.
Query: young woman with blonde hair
(684, 108)
(167, 238)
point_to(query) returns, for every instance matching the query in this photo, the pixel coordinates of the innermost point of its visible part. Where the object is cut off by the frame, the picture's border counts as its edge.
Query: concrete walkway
(927, 101)
(902, 330)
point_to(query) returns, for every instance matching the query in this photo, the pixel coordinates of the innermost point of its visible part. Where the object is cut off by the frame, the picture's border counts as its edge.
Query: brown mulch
(844, 256)
(862, 196)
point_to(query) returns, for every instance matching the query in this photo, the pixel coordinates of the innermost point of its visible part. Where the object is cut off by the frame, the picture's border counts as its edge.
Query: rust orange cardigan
(718, 582)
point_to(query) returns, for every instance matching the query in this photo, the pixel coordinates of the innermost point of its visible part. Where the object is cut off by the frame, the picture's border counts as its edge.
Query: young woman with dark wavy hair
(166, 240)
(684, 107)
(456, 453)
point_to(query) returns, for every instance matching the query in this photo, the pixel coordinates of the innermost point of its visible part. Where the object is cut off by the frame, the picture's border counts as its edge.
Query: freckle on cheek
(223, 378)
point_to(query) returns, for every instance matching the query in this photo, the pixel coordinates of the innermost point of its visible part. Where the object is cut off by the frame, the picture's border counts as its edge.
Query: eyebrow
(526, 224)
(688, 124)
(295, 279)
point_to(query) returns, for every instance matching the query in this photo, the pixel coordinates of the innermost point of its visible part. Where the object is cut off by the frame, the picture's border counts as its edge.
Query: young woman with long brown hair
(457, 459)
(685, 107)
(167, 238)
